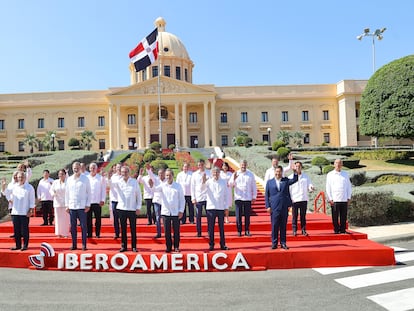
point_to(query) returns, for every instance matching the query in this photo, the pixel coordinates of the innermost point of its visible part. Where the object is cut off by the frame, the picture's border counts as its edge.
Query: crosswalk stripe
(333, 270)
(365, 280)
(403, 257)
(400, 300)
(398, 249)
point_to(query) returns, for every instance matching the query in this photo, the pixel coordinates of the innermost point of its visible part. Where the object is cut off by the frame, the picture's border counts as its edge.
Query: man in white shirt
(116, 174)
(184, 179)
(338, 191)
(22, 199)
(148, 196)
(299, 195)
(198, 193)
(98, 197)
(77, 202)
(270, 172)
(172, 208)
(245, 192)
(217, 191)
(129, 205)
(157, 200)
(45, 198)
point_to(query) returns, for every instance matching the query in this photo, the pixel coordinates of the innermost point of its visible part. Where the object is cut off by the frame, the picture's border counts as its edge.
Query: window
(102, 144)
(2, 125)
(326, 115)
(265, 116)
(356, 113)
(40, 123)
(167, 71)
(144, 74)
(178, 73)
(305, 115)
(2, 146)
(244, 118)
(40, 146)
(101, 121)
(186, 75)
(193, 117)
(326, 138)
(223, 117)
(154, 71)
(21, 146)
(132, 119)
(61, 123)
(20, 124)
(285, 116)
(265, 137)
(81, 121)
(306, 139)
(224, 140)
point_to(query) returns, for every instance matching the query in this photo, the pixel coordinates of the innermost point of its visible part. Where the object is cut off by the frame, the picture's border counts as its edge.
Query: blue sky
(75, 45)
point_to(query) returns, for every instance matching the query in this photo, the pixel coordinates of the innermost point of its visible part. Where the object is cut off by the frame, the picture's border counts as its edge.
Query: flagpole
(159, 90)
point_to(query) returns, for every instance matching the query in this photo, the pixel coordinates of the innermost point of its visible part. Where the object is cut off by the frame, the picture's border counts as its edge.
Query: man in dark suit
(278, 200)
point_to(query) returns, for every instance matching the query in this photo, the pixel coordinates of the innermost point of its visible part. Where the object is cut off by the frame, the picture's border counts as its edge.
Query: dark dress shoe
(211, 248)
(198, 235)
(294, 233)
(116, 237)
(134, 250)
(73, 248)
(123, 249)
(157, 236)
(168, 250)
(304, 233)
(274, 246)
(84, 248)
(23, 248)
(284, 246)
(12, 236)
(43, 224)
(14, 248)
(176, 250)
(248, 233)
(239, 234)
(224, 248)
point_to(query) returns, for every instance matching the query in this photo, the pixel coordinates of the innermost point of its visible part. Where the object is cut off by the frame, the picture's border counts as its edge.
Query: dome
(169, 45)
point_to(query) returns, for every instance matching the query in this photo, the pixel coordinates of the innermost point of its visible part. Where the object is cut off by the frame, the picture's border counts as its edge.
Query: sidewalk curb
(394, 239)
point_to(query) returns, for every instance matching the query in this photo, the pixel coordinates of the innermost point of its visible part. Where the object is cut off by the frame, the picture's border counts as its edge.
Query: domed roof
(169, 44)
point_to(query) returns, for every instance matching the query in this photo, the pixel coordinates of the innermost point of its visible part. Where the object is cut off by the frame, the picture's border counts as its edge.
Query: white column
(147, 125)
(118, 130)
(177, 125)
(347, 122)
(213, 123)
(111, 127)
(206, 127)
(184, 136)
(141, 142)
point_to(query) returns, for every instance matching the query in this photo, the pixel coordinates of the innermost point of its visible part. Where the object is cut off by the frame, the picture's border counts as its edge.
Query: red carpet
(321, 248)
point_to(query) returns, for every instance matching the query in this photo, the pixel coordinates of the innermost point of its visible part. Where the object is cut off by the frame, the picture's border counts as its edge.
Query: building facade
(162, 104)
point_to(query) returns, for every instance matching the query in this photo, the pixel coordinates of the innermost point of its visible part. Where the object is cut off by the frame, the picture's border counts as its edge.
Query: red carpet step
(321, 248)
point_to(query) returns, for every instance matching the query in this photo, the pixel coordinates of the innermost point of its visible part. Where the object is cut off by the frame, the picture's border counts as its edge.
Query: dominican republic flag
(146, 52)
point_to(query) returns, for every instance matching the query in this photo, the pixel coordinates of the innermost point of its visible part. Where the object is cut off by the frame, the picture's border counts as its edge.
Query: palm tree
(284, 136)
(298, 138)
(86, 139)
(32, 141)
(49, 140)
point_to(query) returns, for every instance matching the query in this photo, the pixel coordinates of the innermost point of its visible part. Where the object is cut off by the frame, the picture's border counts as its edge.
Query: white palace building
(129, 116)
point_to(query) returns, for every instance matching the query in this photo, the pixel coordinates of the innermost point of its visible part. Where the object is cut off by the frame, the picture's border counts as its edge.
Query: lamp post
(53, 135)
(377, 34)
(269, 130)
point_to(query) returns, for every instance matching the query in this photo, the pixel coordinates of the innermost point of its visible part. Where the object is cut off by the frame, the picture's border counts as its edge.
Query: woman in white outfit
(226, 175)
(62, 218)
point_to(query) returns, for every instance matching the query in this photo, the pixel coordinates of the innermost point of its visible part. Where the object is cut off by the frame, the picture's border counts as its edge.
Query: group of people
(74, 200)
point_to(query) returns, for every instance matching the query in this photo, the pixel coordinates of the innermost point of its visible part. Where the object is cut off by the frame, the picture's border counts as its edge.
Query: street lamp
(53, 135)
(268, 135)
(376, 34)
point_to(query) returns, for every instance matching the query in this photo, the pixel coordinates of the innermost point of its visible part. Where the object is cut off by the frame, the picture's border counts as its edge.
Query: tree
(86, 139)
(239, 138)
(320, 162)
(298, 138)
(74, 143)
(32, 141)
(284, 136)
(47, 140)
(387, 104)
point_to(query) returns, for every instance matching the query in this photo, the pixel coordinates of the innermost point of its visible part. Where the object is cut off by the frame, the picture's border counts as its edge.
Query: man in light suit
(277, 198)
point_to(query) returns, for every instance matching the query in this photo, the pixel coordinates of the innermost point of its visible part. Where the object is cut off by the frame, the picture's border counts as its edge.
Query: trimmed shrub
(157, 164)
(320, 162)
(282, 152)
(400, 210)
(277, 144)
(358, 178)
(382, 154)
(327, 168)
(370, 208)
